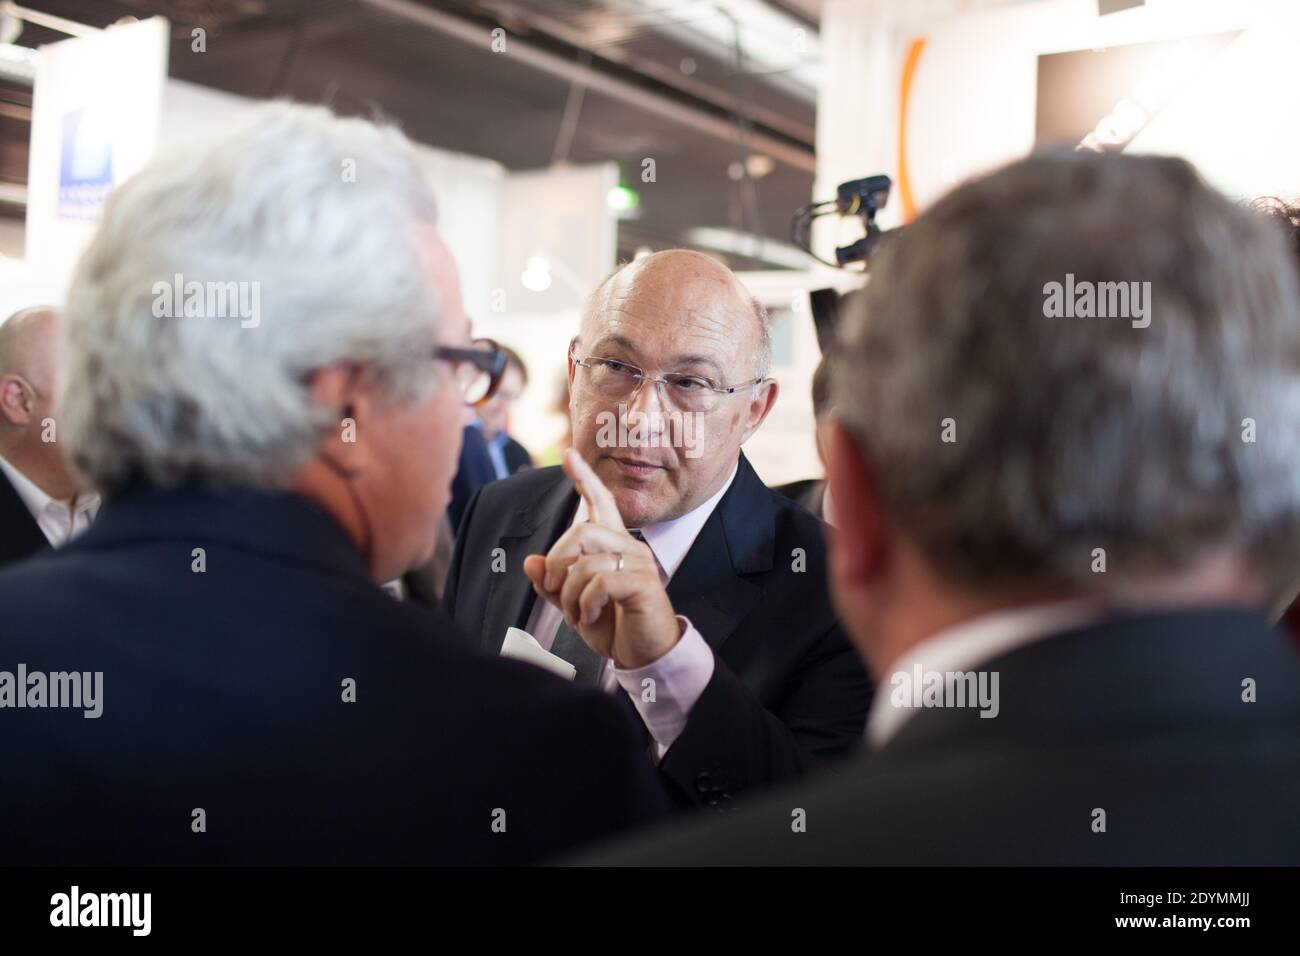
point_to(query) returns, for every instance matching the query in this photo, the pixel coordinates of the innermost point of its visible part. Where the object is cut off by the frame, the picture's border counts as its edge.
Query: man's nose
(651, 410)
(647, 397)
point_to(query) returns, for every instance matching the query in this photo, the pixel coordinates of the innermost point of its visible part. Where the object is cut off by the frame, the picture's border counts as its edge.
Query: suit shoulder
(524, 486)
(795, 525)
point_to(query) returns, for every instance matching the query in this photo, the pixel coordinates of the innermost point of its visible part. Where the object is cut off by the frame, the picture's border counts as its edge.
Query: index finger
(600, 502)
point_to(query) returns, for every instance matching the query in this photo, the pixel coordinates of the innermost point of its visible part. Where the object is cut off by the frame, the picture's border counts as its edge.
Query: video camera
(857, 197)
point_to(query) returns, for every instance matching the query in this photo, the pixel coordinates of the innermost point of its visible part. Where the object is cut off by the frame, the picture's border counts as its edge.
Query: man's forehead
(676, 301)
(718, 314)
(676, 277)
(706, 340)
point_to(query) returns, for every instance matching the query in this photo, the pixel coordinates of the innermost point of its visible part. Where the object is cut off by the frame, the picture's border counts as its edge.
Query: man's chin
(642, 495)
(638, 506)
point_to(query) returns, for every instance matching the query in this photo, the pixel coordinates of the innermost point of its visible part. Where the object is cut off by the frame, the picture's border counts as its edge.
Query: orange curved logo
(904, 95)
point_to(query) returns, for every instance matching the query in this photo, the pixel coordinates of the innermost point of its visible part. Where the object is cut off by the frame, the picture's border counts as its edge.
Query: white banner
(95, 114)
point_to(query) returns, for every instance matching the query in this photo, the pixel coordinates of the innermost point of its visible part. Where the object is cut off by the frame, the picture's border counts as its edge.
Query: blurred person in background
(486, 449)
(811, 492)
(506, 454)
(474, 469)
(656, 564)
(42, 503)
(553, 454)
(255, 696)
(1059, 536)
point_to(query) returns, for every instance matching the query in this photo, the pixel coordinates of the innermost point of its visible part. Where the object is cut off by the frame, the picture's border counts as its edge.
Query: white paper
(522, 646)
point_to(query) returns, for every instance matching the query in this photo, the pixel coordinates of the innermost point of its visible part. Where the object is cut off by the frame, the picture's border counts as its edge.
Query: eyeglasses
(477, 371)
(615, 380)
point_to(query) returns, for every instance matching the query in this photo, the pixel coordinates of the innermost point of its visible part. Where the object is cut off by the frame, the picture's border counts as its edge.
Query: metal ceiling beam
(809, 11)
(672, 77)
(49, 21)
(630, 93)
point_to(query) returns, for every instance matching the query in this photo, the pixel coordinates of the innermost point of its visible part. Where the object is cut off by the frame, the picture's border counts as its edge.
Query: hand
(624, 614)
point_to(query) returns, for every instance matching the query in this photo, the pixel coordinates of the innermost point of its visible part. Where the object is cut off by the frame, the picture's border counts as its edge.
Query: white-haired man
(266, 365)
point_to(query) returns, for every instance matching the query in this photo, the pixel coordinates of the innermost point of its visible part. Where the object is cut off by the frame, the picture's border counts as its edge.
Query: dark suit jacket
(474, 470)
(223, 690)
(20, 536)
(516, 456)
(810, 492)
(1140, 717)
(787, 688)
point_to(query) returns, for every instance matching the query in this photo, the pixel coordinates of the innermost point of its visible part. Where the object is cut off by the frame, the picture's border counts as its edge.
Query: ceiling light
(621, 199)
(536, 276)
(759, 165)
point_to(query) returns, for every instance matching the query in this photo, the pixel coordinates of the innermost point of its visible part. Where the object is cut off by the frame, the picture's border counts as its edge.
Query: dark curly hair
(1286, 215)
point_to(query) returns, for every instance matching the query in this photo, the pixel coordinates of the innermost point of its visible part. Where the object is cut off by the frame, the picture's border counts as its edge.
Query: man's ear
(860, 546)
(15, 399)
(338, 388)
(759, 407)
(572, 366)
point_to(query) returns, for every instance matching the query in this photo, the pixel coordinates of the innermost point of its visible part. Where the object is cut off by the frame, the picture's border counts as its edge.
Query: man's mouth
(636, 467)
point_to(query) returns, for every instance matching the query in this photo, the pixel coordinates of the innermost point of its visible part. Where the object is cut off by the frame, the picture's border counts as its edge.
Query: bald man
(42, 505)
(654, 564)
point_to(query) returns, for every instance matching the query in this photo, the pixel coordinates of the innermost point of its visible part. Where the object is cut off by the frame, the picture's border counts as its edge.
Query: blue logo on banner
(85, 167)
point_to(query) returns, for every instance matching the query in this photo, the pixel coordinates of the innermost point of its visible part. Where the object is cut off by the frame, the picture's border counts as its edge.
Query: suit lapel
(532, 529)
(710, 587)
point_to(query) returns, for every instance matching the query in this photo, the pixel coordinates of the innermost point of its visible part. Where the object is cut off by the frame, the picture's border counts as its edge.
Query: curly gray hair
(320, 215)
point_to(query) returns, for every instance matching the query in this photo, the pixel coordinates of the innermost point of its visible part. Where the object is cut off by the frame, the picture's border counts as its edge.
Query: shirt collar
(87, 503)
(498, 440)
(671, 540)
(38, 502)
(965, 646)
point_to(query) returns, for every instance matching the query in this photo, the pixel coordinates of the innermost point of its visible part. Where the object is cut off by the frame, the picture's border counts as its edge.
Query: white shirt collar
(969, 644)
(671, 540)
(57, 521)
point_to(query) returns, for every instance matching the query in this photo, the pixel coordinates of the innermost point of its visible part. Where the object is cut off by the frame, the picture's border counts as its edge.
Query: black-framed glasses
(616, 380)
(477, 370)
